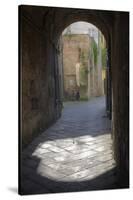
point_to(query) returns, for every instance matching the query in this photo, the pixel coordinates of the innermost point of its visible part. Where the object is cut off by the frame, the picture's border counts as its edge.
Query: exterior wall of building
(80, 72)
(75, 64)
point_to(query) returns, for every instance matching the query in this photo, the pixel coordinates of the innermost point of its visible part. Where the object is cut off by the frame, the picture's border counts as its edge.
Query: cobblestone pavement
(74, 154)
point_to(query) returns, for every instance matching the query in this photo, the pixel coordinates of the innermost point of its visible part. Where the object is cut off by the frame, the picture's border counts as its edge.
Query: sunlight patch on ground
(75, 159)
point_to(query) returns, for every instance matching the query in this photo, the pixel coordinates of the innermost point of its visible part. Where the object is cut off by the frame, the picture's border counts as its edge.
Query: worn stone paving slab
(75, 154)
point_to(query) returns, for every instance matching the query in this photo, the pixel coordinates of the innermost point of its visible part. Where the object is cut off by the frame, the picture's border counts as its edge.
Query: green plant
(104, 55)
(83, 75)
(84, 99)
(95, 51)
(82, 58)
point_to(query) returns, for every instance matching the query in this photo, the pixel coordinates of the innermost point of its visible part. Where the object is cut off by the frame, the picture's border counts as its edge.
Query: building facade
(82, 66)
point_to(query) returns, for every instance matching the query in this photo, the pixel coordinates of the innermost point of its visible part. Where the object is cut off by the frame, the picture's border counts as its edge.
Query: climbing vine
(95, 51)
(104, 55)
(83, 75)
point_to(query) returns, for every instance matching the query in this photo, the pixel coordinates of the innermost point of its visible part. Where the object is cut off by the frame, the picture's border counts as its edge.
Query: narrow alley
(73, 149)
(74, 154)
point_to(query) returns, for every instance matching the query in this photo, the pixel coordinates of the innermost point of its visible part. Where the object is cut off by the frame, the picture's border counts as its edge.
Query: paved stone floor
(75, 154)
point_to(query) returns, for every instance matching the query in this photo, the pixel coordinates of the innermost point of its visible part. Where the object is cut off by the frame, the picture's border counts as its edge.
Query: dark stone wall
(120, 88)
(38, 93)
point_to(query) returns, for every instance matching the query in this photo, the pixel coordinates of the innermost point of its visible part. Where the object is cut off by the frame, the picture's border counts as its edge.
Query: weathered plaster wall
(80, 71)
(76, 49)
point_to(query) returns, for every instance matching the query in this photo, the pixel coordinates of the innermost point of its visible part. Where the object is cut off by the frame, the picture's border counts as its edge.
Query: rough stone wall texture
(120, 85)
(38, 92)
(41, 96)
(76, 49)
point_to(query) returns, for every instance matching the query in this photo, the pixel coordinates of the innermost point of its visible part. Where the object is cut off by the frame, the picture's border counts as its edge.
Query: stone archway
(40, 28)
(82, 69)
(98, 19)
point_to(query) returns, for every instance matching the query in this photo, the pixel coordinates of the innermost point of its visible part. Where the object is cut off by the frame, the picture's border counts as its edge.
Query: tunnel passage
(74, 154)
(40, 77)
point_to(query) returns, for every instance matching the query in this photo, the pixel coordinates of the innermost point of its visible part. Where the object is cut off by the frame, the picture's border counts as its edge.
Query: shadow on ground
(13, 189)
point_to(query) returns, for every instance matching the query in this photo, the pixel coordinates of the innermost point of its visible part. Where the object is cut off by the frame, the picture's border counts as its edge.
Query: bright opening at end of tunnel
(84, 53)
